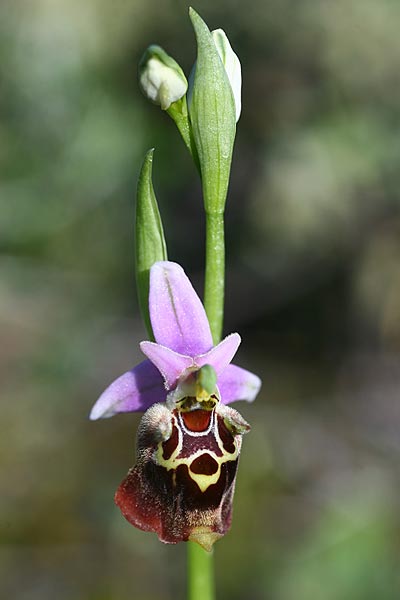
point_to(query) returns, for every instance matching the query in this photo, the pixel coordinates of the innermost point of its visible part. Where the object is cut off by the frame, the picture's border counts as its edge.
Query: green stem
(215, 273)
(200, 573)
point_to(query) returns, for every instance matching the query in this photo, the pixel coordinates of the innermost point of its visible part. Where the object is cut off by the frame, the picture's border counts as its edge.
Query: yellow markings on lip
(202, 480)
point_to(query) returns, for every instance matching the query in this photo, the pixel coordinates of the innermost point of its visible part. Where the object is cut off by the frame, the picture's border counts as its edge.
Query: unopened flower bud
(232, 66)
(161, 78)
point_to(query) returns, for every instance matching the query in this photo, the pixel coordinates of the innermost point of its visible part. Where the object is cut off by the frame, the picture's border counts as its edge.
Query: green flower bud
(232, 67)
(161, 78)
(213, 118)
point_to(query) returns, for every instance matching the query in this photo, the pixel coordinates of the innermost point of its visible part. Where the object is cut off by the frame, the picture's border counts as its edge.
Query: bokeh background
(313, 286)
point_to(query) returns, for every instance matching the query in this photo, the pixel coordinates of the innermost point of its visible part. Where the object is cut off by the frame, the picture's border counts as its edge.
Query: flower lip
(183, 344)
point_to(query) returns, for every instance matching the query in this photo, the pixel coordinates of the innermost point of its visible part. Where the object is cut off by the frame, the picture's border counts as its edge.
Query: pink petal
(133, 391)
(177, 315)
(236, 383)
(170, 364)
(220, 356)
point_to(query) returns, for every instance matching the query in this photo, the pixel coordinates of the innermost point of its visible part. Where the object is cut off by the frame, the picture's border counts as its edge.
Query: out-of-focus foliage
(313, 231)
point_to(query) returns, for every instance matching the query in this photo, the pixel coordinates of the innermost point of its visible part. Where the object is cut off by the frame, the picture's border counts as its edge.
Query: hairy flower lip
(183, 482)
(183, 341)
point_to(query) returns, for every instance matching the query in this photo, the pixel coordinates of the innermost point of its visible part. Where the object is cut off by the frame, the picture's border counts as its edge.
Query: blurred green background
(313, 286)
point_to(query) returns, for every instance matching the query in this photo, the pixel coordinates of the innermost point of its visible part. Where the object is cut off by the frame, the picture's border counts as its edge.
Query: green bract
(161, 78)
(150, 241)
(213, 118)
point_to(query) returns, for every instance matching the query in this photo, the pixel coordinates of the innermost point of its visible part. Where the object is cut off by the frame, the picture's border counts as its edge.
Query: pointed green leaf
(150, 241)
(213, 118)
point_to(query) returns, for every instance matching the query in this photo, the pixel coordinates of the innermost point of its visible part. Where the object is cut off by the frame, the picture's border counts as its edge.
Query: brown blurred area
(313, 286)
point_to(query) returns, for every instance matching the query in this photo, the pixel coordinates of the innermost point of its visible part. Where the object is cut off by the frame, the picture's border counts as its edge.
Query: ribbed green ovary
(173, 462)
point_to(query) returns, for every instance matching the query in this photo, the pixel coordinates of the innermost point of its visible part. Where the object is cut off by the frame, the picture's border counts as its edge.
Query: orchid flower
(189, 441)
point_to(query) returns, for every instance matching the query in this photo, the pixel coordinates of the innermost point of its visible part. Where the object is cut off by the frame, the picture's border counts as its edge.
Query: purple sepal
(177, 315)
(135, 390)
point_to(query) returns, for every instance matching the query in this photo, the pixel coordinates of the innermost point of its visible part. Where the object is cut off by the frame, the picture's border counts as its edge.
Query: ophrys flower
(189, 440)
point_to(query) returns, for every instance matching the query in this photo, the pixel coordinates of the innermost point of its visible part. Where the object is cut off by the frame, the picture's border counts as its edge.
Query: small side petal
(170, 364)
(135, 390)
(236, 383)
(220, 356)
(177, 315)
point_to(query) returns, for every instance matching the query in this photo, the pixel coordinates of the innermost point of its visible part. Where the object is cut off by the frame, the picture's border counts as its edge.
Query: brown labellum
(183, 482)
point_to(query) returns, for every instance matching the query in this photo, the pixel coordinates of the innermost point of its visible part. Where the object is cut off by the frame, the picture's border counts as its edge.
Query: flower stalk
(201, 583)
(214, 284)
